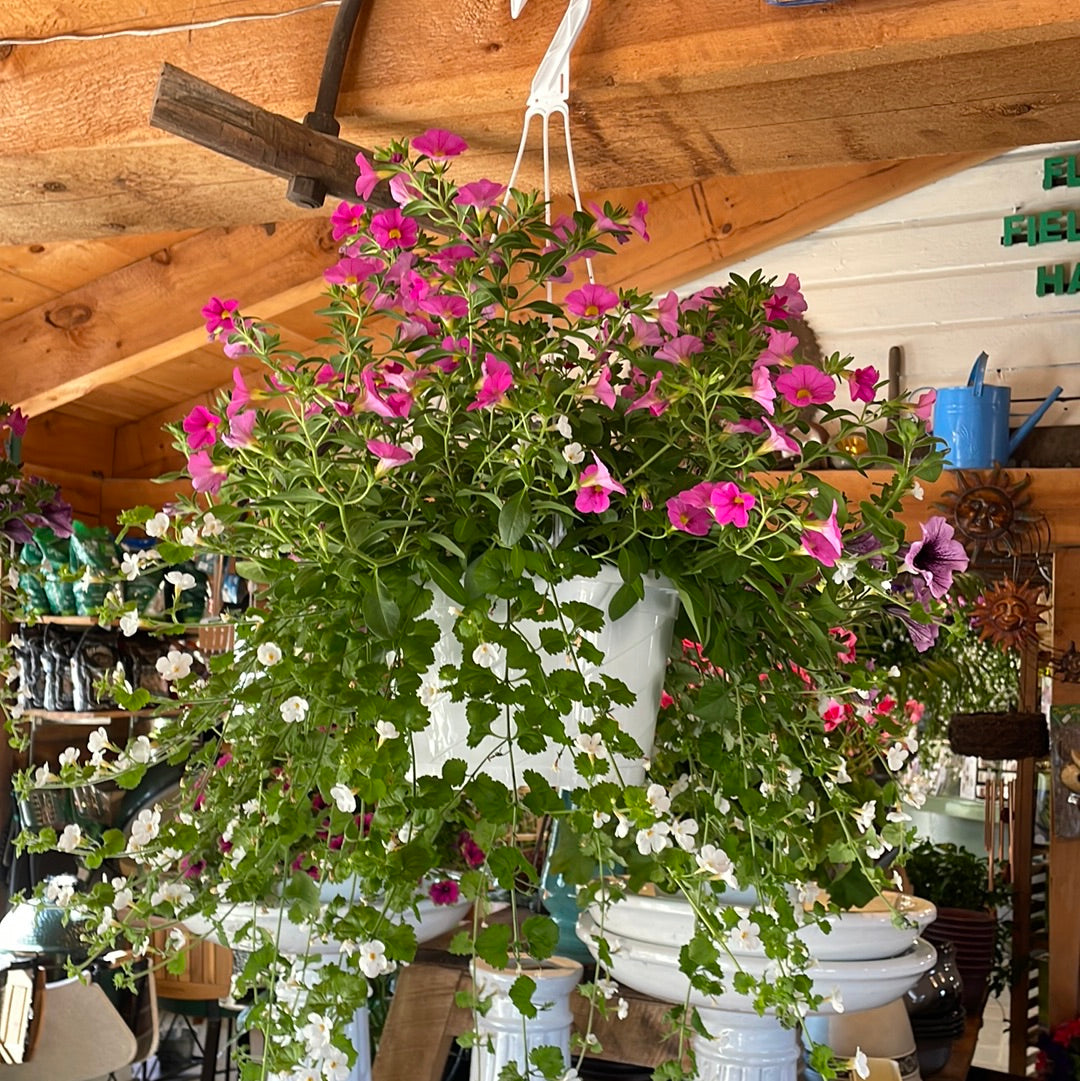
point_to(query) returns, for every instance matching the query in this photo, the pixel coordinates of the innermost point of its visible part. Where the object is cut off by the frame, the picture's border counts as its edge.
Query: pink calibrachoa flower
(924, 408)
(371, 399)
(786, 302)
(390, 456)
(595, 485)
(479, 194)
(834, 714)
(440, 144)
(591, 301)
(241, 431)
(649, 400)
(471, 852)
(861, 383)
(352, 271)
(680, 348)
(823, 541)
(367, 178)
(745, 426)
(17, 421)
(392, 229)
(780, 350)
(218, 314)
(731, 505)
(403, 190)
(205, 476)
(779, 442)
(498, 379)
(637, 219)
(847, 640)
(445, 307)
(447, 257)
(806, 385)
(201, 427)
(762, 390)
(600, 388)
(241, 395)
(347, 219)
(643, 333)
(445, 892)
(668, 313)
(691, 511)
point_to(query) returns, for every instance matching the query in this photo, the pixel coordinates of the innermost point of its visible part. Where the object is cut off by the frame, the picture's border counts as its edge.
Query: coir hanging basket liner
(999, 736)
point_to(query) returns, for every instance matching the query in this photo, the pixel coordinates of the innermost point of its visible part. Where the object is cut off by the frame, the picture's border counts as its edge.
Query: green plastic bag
(31, 583)
(93, 557)
(55, 559)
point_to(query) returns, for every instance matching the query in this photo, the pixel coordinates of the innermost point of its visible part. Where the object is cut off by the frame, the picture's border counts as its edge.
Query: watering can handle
(978, 372)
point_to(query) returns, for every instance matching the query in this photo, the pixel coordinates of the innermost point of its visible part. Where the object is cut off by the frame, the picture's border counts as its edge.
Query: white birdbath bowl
(868, 959)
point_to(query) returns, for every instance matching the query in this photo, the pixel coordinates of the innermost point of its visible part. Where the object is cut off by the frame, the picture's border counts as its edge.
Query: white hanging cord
(549, 95)
(157, 31)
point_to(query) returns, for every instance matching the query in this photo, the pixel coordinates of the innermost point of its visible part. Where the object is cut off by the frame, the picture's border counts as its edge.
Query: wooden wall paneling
(81, 490)
(65, 442)
(18, 295)
(148, 313)
(122, 493)
(1064, 983)
(684, 91)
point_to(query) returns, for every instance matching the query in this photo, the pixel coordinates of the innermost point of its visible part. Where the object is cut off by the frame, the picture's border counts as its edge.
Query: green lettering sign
(1051, 279)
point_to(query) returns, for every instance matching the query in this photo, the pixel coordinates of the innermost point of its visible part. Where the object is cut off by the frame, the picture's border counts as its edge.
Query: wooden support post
(1021, 837)
(1064, 887)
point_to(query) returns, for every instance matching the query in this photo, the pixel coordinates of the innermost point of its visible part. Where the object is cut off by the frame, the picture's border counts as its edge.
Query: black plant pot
(973, 934)
(998, 736)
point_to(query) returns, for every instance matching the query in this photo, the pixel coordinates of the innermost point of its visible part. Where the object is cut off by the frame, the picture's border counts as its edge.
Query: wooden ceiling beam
(668, 93)
(145, 314)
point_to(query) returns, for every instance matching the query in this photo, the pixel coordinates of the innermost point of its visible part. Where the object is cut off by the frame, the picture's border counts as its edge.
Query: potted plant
(957, 881)
(420, 505)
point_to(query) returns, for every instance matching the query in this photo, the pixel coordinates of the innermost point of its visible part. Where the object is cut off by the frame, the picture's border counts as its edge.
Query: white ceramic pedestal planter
(744, 1046)
(635, 649)
(511, 1035)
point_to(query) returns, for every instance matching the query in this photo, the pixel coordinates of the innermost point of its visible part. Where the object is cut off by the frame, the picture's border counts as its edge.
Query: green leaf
(541, 934)
(514, 519)
(253, 572)
(302, 896)
(381, 613)
(521, 992)
(493, 945)
(446, 580)
(626, 596)
(549, 1061)
(453, 771)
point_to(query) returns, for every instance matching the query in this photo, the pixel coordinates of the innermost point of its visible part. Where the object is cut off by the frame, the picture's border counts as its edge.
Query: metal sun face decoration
(1009, 614)
(992, 514)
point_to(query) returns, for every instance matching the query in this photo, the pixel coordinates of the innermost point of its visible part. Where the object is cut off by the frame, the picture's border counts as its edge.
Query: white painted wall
(927, 272)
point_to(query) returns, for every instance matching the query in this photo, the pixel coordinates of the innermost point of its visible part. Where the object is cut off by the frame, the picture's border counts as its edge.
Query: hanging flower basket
(997, 736)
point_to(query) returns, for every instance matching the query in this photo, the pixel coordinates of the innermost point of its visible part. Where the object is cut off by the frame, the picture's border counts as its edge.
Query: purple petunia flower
(934, 559)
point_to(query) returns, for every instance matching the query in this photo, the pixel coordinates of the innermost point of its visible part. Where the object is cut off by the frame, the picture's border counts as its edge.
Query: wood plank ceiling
(744, 125)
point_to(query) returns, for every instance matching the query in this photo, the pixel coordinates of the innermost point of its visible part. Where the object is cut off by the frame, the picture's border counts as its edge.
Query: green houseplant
(464, 444)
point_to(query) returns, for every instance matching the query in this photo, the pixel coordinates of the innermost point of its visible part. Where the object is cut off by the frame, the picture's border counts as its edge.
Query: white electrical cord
(157, 31)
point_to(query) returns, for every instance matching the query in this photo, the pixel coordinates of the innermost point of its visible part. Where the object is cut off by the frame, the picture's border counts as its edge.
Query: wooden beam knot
(69, 316)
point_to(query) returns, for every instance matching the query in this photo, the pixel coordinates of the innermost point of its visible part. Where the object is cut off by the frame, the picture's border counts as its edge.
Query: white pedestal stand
(509, 1035)
(360, 1035)
(745, 1047)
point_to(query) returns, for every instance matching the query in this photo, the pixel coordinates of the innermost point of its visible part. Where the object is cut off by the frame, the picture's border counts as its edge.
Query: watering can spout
(1024, 430)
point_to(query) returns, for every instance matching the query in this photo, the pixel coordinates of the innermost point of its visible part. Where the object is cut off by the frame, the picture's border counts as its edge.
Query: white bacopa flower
(13, 579)
(606, 986)
(745, 936)
(561, 424)
(334, 1066)
(623, 827)
(175, 665)
(158, 526)
(680, 786)
(144, 829)
(897, 816)
(792, 778)
(129, 622)
(122, 895)
(43, 776)
(875, 847)
(177, 894)
(654, 838)
(658, 799)
(294, 709)
(268, 654)
(600, 819)
(864, 816)
(917, 490)
(140, 750)
(97, 741)
(106, 920)
(845, 571)
(716, 863)
(431, 693)
(489, 655)
(69, 756)
(373, 959)
(622, 1010)
(574, 453)
(316, 1033)
(835, 999)
(684, 832)
(841, 776)
(189, 536)
(896, 757)
(386, 730)
(343, 796)
(181, 580)
(414, 445)
(590, 743)
(808, 893)
(860, 1064)
(212, 526)
(70, 839)
(60, 890)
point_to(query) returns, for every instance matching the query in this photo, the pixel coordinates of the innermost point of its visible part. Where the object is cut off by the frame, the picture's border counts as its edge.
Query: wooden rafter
(662, 93)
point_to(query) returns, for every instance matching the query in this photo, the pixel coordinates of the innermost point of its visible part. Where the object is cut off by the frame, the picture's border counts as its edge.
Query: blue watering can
(973, 421)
